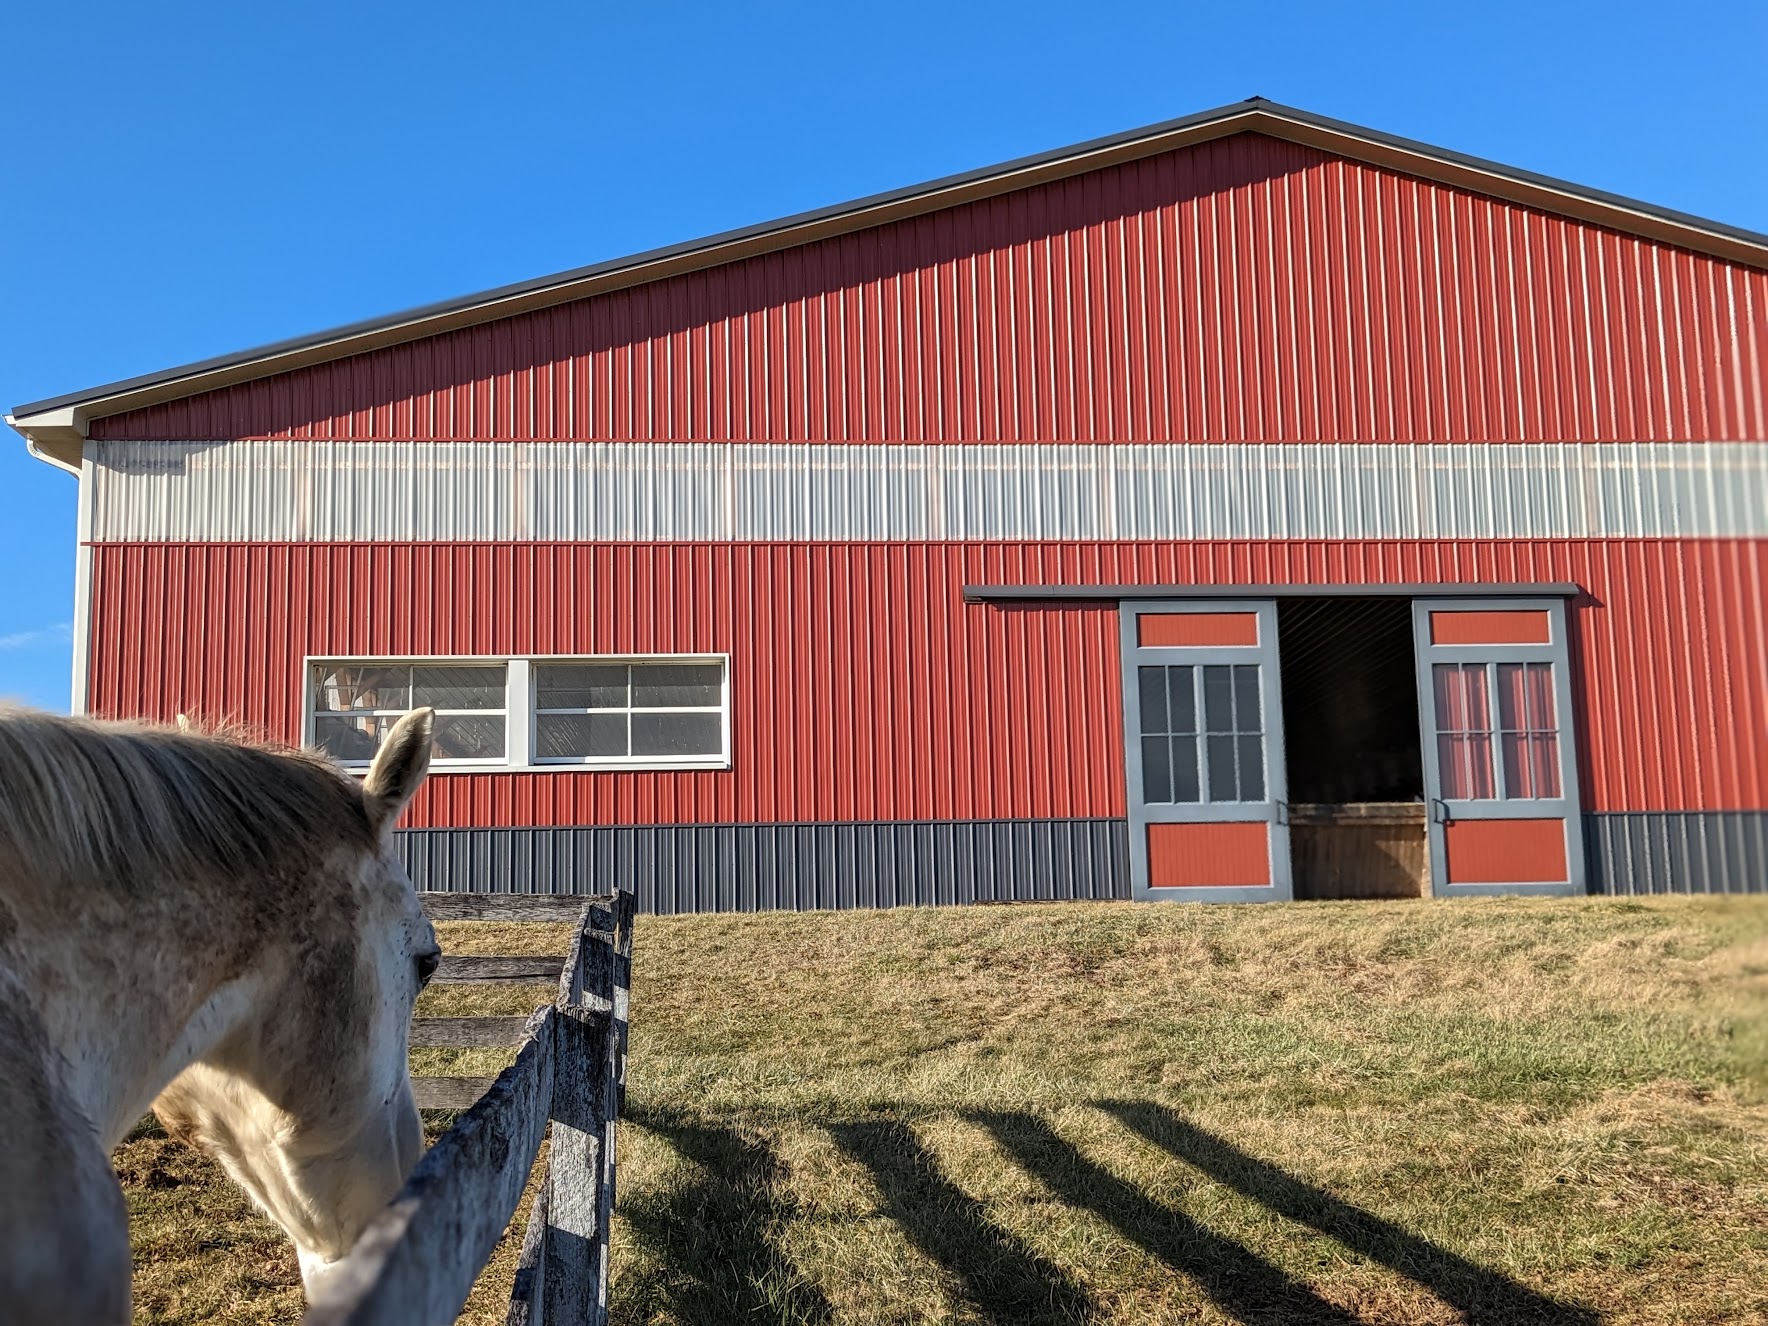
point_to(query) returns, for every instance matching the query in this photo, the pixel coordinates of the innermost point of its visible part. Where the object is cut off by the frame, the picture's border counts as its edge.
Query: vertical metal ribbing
(887, 334)
(683, 868)
(748, 867)
(642, 492)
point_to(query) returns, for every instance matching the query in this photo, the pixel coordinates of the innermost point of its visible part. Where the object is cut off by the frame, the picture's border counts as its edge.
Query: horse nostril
(426, 966)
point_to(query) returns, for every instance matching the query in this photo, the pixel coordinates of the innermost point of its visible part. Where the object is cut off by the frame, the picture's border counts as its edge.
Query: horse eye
(426, 966)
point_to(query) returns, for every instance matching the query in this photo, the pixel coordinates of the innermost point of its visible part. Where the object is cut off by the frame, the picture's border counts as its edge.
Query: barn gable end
(1243, 289)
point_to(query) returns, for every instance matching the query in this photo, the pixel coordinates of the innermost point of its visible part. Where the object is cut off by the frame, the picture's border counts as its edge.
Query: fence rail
(416, 1263)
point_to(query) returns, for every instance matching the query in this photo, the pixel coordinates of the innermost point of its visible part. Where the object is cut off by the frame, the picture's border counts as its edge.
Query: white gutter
(55, 437)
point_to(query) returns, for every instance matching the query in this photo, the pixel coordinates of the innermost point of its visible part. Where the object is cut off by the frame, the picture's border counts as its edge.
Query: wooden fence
(416, 1263)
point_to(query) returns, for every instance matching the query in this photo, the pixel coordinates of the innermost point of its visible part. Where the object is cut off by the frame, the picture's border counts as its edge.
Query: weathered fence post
(563, 1275)
(528, 1293)
(586, 1104)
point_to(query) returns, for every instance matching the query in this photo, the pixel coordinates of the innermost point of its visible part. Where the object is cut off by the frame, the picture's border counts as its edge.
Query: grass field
(1489, 1110)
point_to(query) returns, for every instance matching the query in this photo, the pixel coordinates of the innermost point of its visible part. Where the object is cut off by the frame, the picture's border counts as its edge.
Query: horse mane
(124, 803)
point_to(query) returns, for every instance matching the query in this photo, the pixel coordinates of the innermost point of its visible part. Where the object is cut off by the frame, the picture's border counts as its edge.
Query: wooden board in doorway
(1361, 850)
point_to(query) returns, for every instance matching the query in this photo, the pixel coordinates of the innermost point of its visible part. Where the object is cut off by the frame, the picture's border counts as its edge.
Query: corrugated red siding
(1246, 289)
(865, 688)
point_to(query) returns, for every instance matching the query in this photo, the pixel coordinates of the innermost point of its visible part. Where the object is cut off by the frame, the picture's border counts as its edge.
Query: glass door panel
(1498, 771)
(1203, 741)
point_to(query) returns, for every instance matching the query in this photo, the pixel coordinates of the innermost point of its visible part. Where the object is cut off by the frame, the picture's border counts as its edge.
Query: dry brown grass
(1494, 1110)
(1491, 1110)
(202, 1253)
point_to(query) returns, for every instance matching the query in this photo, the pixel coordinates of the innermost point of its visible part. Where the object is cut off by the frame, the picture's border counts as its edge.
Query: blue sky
(185, 180)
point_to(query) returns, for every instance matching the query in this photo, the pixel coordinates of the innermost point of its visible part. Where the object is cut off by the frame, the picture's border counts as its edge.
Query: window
(620, 711)
(1527, 734)
(634, 713)
(1225, 761)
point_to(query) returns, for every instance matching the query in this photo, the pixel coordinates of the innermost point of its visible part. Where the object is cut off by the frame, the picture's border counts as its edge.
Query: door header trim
(1121, 593)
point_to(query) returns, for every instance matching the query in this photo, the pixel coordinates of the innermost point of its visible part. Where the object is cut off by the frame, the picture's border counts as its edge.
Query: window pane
(1157, 774)
(1452, 767)
(579, 736)
(1519, 769)
(1465, 764)
(1223, 785)
(1512, 709)
(580, 685)
(1181, 690)
(1531, 764)
(677, 734)
(1185, 784)
(1252, 768)
(1451, 700)
(1461, 703)
(351, 739)
(1539, 685)
(1246, 701)
(341, 689)
(1479, 703)
(1544, 748)
(459, 687)
(1218, 704)
(677, 685)
(1153, 687)
(1484, 785)
(469, 737)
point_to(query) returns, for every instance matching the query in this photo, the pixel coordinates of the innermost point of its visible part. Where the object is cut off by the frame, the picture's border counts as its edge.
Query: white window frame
(519, 713)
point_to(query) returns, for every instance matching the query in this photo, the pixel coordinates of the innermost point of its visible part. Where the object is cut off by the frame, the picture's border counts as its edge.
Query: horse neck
(127, 1005)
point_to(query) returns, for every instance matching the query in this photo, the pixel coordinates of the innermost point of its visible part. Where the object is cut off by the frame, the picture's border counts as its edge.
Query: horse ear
(399, 768)
(184, 724)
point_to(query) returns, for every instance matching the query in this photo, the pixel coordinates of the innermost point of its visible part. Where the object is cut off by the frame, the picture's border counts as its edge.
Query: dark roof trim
(1034, 594)
(1254, 115)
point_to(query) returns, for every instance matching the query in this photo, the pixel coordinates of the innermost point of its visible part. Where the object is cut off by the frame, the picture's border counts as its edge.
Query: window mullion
(518, 723)
(631, 681)
(1204, 795)
(1495, 720)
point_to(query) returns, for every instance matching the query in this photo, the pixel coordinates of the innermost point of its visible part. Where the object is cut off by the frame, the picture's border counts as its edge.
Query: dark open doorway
(1351, 736)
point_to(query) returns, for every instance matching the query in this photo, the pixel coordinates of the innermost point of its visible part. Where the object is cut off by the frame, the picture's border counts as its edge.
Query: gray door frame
(1272, 811)
(1442, 810)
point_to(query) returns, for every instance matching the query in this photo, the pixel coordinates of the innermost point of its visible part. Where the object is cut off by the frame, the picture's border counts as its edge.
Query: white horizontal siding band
(567, 491)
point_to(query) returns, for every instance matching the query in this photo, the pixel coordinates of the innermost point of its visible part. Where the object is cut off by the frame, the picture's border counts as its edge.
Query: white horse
(223, 932)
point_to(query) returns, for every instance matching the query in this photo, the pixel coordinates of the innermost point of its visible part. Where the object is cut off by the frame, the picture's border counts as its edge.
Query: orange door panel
(1186, 856)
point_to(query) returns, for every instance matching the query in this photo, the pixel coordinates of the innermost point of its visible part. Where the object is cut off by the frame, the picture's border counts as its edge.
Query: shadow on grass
(1003, 1279)
(715, 1257)
(1484, 1297)
(1239, 1281)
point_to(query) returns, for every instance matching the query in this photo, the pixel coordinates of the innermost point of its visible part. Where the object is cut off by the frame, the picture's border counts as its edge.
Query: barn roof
(54, 428)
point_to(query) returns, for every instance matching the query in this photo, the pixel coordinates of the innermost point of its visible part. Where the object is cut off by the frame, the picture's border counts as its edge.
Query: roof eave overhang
(57, 426)
(55, 437)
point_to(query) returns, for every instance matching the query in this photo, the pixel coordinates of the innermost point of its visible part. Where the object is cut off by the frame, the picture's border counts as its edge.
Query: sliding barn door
(1203, 730)
(1499, 758)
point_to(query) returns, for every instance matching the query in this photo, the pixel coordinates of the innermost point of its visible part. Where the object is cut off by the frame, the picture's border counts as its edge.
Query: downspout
(82, 642)
(42, 455)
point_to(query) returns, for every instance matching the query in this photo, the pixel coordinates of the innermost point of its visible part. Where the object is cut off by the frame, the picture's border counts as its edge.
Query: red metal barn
(1248, 507)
